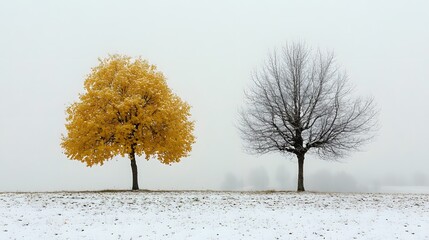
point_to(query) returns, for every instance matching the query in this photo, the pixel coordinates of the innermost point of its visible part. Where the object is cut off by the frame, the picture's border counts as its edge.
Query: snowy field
(213, 215)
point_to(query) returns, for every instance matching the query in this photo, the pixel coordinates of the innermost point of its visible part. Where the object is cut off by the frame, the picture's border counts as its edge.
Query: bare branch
(301, 102)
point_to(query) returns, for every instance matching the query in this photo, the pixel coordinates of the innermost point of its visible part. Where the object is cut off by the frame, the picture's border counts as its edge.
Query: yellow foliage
(127, 108)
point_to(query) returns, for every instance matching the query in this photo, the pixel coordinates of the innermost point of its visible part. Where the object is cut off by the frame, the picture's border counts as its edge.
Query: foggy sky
(207, 50)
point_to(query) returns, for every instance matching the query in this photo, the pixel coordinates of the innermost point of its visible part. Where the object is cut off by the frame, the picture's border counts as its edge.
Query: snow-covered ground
(213, 215)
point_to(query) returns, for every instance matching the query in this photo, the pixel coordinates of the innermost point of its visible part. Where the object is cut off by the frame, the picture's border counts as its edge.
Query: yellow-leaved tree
(127, 109)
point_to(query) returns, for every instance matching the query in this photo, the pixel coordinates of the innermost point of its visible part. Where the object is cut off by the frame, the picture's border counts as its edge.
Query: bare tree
(301, 102)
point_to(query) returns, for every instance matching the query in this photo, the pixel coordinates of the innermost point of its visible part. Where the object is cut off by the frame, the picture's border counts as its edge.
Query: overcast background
(207, 50)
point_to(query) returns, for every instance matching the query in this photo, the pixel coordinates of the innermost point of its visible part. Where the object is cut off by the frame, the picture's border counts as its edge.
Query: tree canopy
(127, 108)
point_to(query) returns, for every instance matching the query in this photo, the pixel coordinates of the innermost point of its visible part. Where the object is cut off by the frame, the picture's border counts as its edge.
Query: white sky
(207, 50)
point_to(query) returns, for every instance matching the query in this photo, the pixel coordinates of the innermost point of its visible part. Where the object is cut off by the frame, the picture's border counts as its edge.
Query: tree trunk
(134, 169)
(300, 172)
